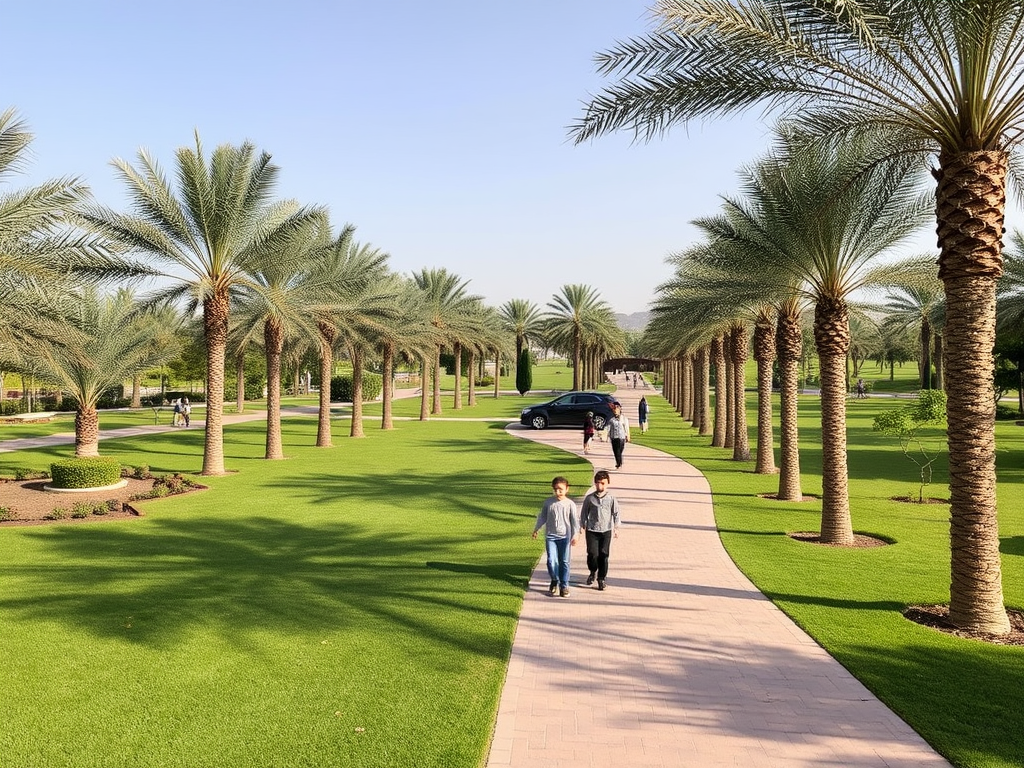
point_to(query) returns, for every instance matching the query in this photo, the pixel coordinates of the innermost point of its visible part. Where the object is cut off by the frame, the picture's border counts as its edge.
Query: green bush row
(341, 387)
(85, 472)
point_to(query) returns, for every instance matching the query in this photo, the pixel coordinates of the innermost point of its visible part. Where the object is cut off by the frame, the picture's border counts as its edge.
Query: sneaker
(590, 579)
(600, 585)
(563, 592)
(553, 588)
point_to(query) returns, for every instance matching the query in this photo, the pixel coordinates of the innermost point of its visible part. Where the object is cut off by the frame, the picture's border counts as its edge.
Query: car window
(563, 400)
(587, 399)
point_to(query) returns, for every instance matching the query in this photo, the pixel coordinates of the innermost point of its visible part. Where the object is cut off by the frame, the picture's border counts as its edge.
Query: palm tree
(202, 239)
(112, 342)
(570, 314)
(523, 318)
(941, 79)
(818, 218)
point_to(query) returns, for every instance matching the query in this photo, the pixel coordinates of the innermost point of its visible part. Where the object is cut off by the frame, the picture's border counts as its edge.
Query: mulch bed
(860, 540)
(914, 500)
(937, 617)
(31, 504)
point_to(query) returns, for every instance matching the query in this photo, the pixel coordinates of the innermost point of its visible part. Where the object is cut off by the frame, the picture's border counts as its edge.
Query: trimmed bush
(7, 514)
(85, 472)
(341, 387)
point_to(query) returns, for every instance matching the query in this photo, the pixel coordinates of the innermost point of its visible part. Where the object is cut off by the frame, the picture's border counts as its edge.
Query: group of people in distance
(598, 517)
(182, 412)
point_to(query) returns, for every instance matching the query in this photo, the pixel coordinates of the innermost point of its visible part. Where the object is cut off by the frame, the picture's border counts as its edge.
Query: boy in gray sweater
(561, 524)
(600, 521)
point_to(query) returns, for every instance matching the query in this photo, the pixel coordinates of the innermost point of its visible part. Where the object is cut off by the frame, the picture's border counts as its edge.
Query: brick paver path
(681, 661)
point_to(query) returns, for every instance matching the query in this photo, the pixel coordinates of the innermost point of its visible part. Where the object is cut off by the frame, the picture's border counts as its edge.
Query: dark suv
(569, 410)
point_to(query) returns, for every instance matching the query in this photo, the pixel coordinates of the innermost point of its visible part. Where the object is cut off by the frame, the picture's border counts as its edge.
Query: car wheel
(538, 422)
(599, 423)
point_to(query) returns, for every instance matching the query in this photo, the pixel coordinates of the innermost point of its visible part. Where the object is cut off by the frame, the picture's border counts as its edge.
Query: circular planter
(115, 486)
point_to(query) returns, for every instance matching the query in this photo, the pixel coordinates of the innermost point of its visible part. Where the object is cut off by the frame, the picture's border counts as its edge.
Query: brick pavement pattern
(681, 662)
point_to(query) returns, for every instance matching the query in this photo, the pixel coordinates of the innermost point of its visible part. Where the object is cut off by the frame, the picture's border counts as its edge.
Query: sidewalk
(681, 661)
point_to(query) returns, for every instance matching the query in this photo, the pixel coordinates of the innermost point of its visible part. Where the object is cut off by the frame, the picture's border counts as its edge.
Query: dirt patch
(775, 497)
(937, 617)
(914, 500)
(30, 504)
(860, 540)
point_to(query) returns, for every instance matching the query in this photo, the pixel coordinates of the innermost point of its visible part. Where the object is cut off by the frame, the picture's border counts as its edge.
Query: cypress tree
(524, 372)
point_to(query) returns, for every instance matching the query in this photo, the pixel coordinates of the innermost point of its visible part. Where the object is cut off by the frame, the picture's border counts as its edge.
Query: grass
(963, 696)
(352, 606)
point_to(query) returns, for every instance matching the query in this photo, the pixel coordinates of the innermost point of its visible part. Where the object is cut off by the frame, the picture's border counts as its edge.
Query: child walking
(560, 521)
(588, 431)
(600, 521)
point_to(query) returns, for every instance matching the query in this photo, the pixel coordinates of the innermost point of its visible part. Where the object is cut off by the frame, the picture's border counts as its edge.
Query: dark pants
(599, 545)
(618, 444)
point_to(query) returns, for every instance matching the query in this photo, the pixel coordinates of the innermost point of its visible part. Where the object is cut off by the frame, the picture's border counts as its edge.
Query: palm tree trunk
(87, 431)
(703, 386)
(457, 400)
(323, 427)
(136, 391)
(436, 406)
(971, 202)
(789, 341)
(764, 356)
(424, 387)
(741, 441)
(685, 399)
(356, 429)
(215, 330)
(497, 373)
(937, 358)
(832, 339)
(926, 349)
(471, 375)
(273, 342)
(718, 355)
(388, 390)
(240, 382)
(576, 360)
(730, 391)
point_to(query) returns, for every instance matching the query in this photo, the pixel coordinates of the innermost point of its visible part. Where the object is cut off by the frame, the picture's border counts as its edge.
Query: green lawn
(964, 696)
(346, 607)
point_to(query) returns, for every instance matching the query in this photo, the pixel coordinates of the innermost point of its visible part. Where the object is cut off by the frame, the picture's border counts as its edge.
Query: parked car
(569, 410)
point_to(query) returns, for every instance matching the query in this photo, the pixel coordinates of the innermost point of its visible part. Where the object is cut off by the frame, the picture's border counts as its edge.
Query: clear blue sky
(437, 128)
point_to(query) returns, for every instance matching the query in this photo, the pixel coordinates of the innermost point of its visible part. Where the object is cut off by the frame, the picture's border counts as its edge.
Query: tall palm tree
(819, 217)
(942, 79)
(202, 237)
(523, 318)
(569, 316)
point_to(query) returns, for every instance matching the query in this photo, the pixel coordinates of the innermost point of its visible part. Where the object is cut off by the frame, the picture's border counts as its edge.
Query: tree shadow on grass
(154, 582)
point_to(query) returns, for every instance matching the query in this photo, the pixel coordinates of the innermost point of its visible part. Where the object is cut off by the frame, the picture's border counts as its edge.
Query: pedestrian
(634, 381)
(186, 411)
(860, 388)
(643, 410)
(588, 431)
(561, 523)
(618, 433)
(599, 518)
(177, 412)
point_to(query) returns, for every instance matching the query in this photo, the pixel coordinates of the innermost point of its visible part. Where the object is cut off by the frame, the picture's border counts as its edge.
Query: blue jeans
(559, 551)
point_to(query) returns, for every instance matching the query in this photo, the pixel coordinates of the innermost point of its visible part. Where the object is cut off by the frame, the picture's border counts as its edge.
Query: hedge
(341, 387)
(85, 472)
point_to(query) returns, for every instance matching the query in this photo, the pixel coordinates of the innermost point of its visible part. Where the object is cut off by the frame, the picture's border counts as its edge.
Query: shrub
(23, 473)
(85, 472)
(485, 381)
(1005, 413)
(80, 510)
(524, 372)
(341, 387)
(11, 407)
(113, 505)
(58, 513)
(7, 514)
(141, 472)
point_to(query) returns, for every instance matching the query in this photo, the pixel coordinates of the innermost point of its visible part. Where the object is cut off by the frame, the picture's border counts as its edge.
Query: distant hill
(634, 322)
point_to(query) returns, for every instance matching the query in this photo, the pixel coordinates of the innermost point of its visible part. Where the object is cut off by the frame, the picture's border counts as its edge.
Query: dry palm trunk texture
(497, 373)
(323, 422)
(740, 351)
(703, 386)
(718, 354)
(789, 340)
(937, 359)
(457, 396)
(388, 385)
(240, 382)
(356, 352)
(435, 407)
(926, 354)
(215, 331)
(685, 388)
(471, 375)
(971, 200)
(764, 355)
(273, 343)
(424, 387)
(832, 338)
(87, 431)
(730, 390)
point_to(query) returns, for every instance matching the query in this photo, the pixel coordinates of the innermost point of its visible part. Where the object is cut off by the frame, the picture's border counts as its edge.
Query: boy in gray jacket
(560, 522)
(600, 521)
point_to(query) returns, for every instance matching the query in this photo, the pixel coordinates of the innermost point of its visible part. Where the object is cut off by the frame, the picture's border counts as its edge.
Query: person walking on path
(642, 410)
(599, 518)
(177, 412)
(186, 411)
(560, 521)
(588, 431)
(618, 433)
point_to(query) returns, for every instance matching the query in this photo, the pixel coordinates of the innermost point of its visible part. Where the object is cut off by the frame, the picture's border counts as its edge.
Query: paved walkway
(681, 661)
